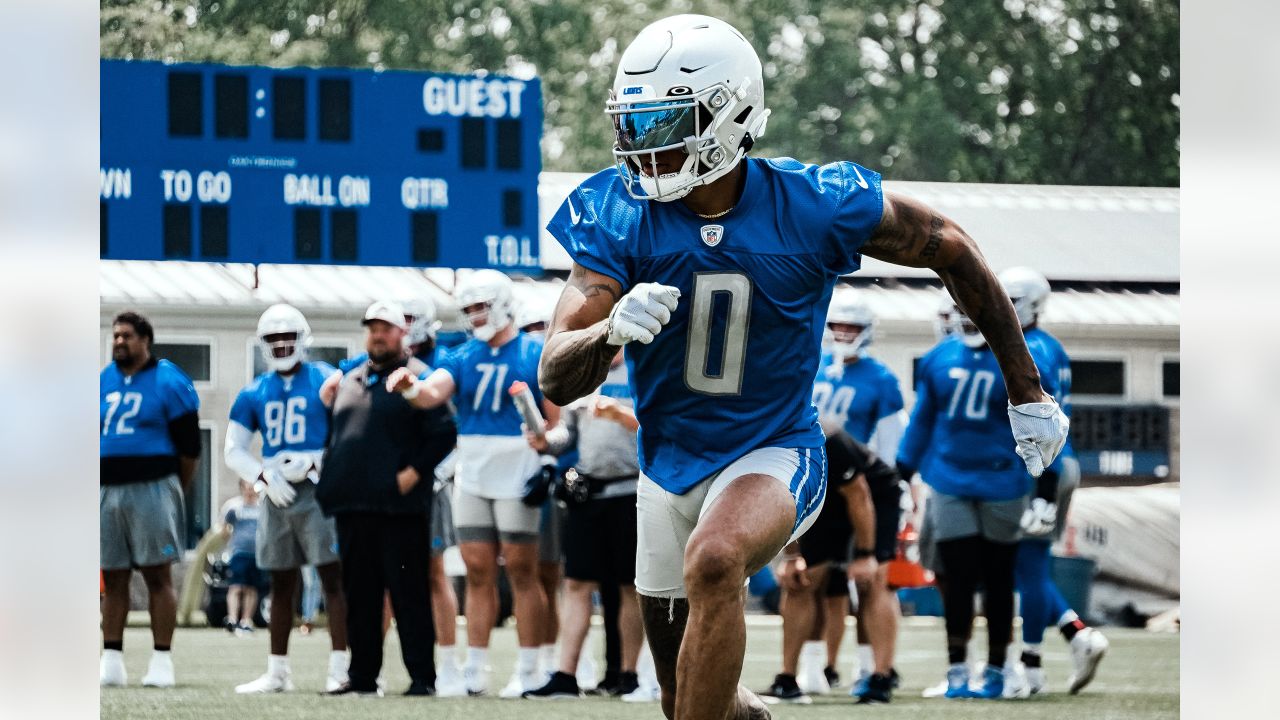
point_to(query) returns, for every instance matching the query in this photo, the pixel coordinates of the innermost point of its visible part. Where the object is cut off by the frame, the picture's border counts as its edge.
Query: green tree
(1043, 91)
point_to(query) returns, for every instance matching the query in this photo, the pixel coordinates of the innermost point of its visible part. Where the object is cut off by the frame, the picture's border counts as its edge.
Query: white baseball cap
(387, 311)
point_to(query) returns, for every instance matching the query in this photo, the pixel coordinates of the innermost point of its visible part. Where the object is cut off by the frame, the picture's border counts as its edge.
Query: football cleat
(1087, 650)
(475, 680)
(957, 682)
(561, 686)
(111, 672)
(521, 683)
(339, 662)
(1036, 681)
(993, 682)
(159, 671)
(269, 683)
(877, 689)
(1016, 685)
(786, 689)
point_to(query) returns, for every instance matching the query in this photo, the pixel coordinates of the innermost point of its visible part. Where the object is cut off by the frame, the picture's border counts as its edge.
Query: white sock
(1069, 616)
(646, 673)
(117, 653)
(339, 660)
(813, 650)
(477, 657)
(277, 664)
(547, 658)
(866, 663)
(159, 654)
(447, 659)
(527, 660)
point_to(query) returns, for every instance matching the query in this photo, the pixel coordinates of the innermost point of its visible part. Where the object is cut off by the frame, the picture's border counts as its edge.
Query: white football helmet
(850, 308)
(532, 313)
(691, 83)
(1029, 291)
(290, 333)
(493, 289)
(970, 335)
(947, 322)
(420, 316)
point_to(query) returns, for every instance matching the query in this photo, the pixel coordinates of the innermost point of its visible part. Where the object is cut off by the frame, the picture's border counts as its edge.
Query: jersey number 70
(708, 288)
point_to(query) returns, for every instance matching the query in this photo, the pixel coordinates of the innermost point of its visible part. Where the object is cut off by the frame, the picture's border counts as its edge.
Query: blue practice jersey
(1056, 355)
(960, 428)
(286, 409)
(860, 396)
(135, 411)
(733, 370)
(483, 375)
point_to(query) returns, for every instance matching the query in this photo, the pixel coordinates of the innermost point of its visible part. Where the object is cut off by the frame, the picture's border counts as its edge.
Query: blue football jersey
(483, 376)
(959, 426)
(1056, 355)
(286, 409)
(860, 396)
(135, 411)
(733, 370)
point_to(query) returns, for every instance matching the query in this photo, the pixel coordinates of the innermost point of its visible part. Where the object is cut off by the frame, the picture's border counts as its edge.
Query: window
(332, 354)
(195, 359)
(186, 104)
(1103, 378)
(1171, 379)
(289, 108)
(230, 106)
(199, 496)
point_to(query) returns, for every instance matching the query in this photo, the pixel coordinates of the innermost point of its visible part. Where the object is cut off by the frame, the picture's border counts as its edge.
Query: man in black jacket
(377, 484)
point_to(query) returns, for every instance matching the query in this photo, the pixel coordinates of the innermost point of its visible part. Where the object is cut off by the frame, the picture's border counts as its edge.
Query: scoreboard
(220, 163)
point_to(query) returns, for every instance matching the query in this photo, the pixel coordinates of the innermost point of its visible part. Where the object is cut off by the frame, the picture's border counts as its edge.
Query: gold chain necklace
(713, 217)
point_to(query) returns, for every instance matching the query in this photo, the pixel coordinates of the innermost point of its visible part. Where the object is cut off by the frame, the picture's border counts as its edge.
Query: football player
(494, 466)
(150, 441)
(980, 491)
(718, 269)
(857, 394)
(283, 405)
(1041, 602)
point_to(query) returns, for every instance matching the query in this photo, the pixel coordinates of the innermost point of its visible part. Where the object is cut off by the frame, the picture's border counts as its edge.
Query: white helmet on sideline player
(1029, 291)
(970, 335)
(691, 83)
(491, 289)
(290, 336)
(420, 316)
(946, 323)
(850, 308)
(536, 311)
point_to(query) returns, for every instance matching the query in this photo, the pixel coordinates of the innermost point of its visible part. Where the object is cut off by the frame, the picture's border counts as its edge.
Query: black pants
(387, 553)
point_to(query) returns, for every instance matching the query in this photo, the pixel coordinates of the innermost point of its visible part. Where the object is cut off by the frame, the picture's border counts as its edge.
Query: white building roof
(1066, 232)
(348, 290)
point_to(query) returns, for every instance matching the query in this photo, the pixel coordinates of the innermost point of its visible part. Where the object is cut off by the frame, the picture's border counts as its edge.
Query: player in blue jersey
(958, 439)
(149, 443)
(283, 405)
(857, 394)
(719, 268)
(1042, 604)
(494, 465)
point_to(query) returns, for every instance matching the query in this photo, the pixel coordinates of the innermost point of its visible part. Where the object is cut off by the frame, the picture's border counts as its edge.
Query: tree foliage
(1024, 91)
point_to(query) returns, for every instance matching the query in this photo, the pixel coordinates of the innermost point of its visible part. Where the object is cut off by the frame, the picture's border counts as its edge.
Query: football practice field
(1138, 679)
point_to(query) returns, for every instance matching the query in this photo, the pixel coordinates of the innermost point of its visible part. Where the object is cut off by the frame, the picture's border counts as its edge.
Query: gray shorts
(481, 519)
(297, 535)
(443, 534)
(960, 517)
(551, 532)
(140, 524)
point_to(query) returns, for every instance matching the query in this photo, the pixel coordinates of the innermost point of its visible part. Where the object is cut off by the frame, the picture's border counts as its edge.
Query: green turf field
(1138, 679)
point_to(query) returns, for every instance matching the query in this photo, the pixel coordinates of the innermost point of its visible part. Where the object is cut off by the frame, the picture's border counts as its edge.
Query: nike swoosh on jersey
(862, 182)
(573, 214)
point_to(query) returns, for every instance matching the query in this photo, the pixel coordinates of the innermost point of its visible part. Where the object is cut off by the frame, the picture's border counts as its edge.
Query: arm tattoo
(930, 249)
(575, 361)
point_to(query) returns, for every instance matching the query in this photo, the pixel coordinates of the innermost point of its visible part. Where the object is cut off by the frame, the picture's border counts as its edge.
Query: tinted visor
(648, 126)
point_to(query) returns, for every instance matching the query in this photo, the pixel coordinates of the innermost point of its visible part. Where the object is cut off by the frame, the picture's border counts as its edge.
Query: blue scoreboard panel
(328, 166)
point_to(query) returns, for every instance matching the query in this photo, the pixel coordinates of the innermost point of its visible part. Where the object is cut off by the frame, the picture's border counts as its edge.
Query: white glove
(641, 313)
(294, 466)
(277, 488)
(1040, 517)
(1040, 429)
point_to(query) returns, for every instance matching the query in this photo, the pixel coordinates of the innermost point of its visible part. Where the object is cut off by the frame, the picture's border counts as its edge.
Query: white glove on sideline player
(641, 313)
(1040, 517)
(277, 488)
(294, 466)
(1040, 429)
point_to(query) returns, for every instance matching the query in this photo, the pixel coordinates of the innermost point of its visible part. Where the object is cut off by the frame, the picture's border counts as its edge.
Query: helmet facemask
(709, 126)
(281, 350)
(847, 343)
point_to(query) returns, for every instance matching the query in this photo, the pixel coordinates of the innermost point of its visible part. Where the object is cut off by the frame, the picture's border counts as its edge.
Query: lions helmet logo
(712, 234)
